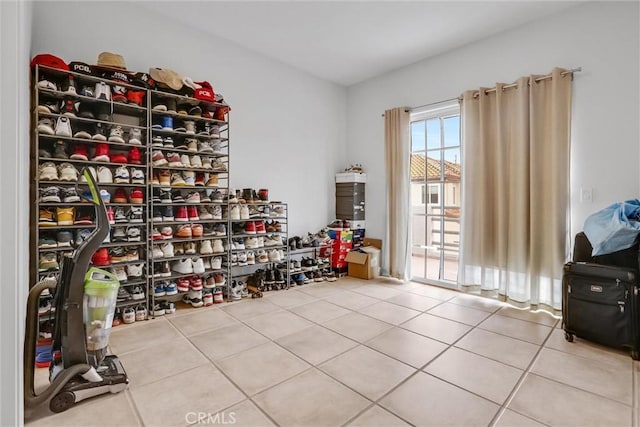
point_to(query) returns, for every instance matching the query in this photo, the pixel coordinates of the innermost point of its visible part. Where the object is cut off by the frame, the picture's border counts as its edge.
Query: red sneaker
(111, 216)
(102, 153)
(120, 196)
(260, 228)
(249, 227)
(136, 195)
(183, 284)
(80, 152)
(200, 181)
(195, 283)
(119, 158)
(182, 214)
(101, 257)
(134, 156)
(135, 97)
(192, 213)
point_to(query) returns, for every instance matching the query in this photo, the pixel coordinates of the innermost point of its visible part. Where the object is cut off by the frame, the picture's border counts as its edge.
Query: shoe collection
(319, 239)
(129, 315)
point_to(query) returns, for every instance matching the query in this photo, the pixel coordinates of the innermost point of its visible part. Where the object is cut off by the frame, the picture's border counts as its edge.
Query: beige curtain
(516, 189)
(396, 150)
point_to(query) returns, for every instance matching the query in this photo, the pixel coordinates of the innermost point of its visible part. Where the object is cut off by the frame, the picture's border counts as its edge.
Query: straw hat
(167, 77)
(111, 60)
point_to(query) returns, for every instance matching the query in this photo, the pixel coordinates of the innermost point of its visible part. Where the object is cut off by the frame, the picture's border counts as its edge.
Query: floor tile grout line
(520, 381)
(316, 366)
(247, 396)
(134, 406)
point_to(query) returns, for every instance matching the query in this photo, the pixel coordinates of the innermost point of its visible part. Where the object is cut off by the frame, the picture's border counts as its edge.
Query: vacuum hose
(31, 400)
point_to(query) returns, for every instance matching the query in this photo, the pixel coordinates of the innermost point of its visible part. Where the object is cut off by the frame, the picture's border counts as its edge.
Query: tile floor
(360, 353)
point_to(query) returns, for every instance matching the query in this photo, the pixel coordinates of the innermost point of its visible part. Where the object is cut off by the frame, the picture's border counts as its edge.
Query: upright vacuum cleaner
(85, 301)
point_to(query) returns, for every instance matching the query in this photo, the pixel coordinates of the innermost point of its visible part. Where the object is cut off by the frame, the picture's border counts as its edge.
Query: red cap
(50, 61)
(205, 93)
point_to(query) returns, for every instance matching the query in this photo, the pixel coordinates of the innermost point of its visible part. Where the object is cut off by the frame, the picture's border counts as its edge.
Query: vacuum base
(114, 380)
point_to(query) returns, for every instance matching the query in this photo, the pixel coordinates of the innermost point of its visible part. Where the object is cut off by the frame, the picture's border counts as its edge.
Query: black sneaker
(49, 106)
(103, 111)
(177, 197)
(69, 195)
(279, 277)
(195, 111)
(165, 196)
(85, 110)
(69, 85)
(157, 215)
(269, 277)
(60, 151)
(100, 133)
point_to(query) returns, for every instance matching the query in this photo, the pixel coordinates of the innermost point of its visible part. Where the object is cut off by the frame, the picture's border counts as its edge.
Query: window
(435, 188)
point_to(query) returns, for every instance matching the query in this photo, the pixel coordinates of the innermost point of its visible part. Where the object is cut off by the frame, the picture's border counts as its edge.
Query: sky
(434, 138)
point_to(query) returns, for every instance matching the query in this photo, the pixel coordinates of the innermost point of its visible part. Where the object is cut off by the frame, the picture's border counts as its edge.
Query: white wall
(602, 38)
(287, 129)
(15, 36)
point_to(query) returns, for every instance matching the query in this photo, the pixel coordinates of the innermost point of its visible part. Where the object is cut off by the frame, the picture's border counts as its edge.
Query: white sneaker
(167, 250)
(102, 91)
(46, 126)
(63, 127)
(134, 270)
(93, 173)
(116, 134)
(196, 161)
(189, 178)
(48, 172)
(190, 126)
(242, 258)
(120, 273)
(198, 265)
(244, 212)
(205, 247)
(135, 136)
(183, 266)
(251, 243)
(216, 263)
(122, 175)
(218, 248)
(262, 256)
(157, 252)
(137, 176)
(216, 147)
(206, 163)
(234, 212)
(203, 213)
(251, 258)
(104, 175)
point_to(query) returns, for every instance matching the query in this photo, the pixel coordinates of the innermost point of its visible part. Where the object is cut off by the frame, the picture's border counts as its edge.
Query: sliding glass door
(435, 195)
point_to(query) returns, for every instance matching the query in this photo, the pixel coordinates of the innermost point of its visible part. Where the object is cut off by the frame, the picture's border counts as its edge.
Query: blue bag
(614, 228)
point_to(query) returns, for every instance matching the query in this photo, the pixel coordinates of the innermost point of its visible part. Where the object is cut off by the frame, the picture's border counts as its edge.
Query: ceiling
(347, 42)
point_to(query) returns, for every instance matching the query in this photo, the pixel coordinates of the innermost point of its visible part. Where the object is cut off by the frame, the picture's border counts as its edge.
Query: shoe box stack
(342, 238)
(350, 201)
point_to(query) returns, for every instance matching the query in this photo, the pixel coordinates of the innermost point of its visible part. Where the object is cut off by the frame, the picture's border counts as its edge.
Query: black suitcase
(627, 258)
(600, 304)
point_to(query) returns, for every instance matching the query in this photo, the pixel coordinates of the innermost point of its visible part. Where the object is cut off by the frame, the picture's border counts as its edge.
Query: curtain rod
(477, 93)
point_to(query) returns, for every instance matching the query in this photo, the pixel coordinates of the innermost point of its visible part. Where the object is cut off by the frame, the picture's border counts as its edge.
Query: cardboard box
(365, 262)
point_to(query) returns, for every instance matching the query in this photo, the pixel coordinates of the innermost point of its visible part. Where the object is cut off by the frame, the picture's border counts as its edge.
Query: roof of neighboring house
(451, 170)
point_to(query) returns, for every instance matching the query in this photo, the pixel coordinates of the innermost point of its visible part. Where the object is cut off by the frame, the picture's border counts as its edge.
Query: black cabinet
(350, 201)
